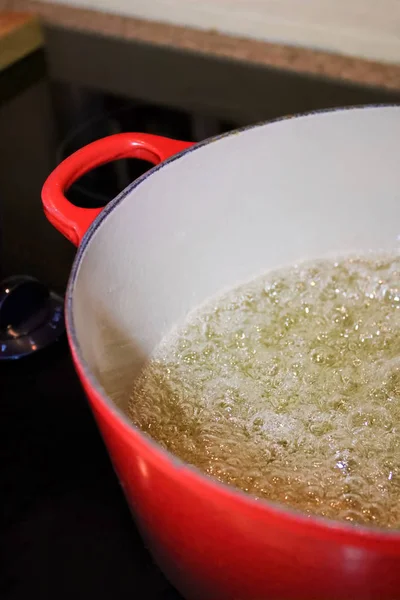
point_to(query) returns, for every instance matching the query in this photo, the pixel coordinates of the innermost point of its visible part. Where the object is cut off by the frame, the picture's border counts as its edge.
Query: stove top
(67, 531)
(65, 526)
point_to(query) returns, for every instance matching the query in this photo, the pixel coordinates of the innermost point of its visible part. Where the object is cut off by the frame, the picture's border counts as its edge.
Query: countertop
(20, 34)
(288, 58)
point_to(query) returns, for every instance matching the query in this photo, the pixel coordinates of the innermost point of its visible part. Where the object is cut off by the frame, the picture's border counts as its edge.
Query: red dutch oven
(206, 217)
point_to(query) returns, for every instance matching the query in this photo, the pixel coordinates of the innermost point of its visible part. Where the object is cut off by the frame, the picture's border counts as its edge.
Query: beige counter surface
(290, 58)
(20, 34)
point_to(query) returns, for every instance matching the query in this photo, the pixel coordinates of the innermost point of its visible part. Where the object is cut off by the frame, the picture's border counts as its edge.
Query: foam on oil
(288, 387)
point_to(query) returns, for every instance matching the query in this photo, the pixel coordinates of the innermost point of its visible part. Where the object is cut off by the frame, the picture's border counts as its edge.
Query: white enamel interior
(308, 187)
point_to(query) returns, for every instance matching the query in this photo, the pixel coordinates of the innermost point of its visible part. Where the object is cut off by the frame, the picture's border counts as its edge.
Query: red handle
(73, 221)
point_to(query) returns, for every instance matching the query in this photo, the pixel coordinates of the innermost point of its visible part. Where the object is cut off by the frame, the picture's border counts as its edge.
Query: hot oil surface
(288, 387)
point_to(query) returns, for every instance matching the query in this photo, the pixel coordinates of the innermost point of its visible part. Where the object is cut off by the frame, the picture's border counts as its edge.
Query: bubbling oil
(288, 387)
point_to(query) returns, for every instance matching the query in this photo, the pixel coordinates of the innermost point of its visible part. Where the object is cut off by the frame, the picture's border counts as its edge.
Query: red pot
(205, 219)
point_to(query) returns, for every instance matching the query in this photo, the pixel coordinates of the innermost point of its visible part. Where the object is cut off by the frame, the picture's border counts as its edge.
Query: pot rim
(317, 524)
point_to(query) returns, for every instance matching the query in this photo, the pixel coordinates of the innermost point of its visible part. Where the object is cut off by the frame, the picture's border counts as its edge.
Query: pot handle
(72, 221)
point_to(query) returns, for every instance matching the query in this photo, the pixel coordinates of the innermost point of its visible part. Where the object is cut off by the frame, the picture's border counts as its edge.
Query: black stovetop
(65, 528)
(66, 531)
